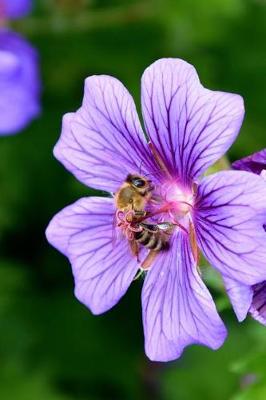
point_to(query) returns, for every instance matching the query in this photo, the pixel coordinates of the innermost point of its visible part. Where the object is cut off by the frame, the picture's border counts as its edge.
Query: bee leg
(139, 213)
(134, 246)
(146, 264)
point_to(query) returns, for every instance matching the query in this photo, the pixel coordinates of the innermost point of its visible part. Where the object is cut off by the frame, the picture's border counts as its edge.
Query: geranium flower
(188, 128)
(19, 83)
(246, 298)
(13, 9)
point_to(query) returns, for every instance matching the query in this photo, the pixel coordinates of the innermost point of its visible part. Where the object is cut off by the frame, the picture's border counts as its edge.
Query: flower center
(175, 200)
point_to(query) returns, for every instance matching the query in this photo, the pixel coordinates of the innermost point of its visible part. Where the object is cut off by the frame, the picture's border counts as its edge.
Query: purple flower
(19, 83)
(14, 8)
(255, 163)
(246, 298)
(188, 129)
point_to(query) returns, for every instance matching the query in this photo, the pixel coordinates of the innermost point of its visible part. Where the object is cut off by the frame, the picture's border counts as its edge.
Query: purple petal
(192, 127)
(15, 8)
(178, 309)
(229, 214)
(240, 296)
(255, 163)
(258, 306)
(246, 299)
(103, 268)
(103, 141)
(19, 83)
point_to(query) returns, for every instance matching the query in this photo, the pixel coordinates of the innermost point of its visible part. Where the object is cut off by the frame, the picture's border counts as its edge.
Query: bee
(131, 200)
(154, 237)
(134, 194)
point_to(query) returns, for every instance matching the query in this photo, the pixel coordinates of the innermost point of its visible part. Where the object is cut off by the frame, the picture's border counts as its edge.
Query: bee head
(140, 183)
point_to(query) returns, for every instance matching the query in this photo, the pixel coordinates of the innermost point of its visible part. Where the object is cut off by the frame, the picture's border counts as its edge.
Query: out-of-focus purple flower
(19, 83)
(13, 9)
(188, 129)
(246, 298)
(255, 163)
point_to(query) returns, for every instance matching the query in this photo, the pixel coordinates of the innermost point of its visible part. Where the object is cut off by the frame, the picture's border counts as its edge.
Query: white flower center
(177, 199)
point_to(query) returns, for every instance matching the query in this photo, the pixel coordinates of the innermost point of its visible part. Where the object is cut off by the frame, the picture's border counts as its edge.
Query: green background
(51, 347)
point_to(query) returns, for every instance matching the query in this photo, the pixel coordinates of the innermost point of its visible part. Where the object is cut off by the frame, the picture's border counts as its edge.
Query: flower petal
(240, 296)
(103, 270)
(192, 127)
(229, 216)
(255, 163)
(178, 309)
(258, 306)
(103, 141)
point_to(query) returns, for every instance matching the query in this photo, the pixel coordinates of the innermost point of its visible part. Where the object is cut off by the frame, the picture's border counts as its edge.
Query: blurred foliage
(51, 347)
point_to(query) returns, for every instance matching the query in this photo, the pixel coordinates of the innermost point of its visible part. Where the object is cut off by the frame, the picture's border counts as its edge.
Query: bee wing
(150, 227)
(166, 227)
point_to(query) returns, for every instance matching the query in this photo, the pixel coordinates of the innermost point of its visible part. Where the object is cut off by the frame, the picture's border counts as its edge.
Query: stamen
(193, 243)
(158, 159)
(181, 226)
(185, 202)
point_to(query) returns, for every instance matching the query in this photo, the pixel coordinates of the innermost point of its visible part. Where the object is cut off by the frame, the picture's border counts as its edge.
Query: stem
(151, 380)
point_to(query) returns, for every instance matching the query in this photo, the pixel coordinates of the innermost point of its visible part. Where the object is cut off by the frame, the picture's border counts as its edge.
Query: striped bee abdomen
(150, 239)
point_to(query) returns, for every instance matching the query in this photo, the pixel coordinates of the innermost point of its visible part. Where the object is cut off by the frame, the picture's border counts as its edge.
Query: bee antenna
(156, 173)
(140, 167)
(150, 174)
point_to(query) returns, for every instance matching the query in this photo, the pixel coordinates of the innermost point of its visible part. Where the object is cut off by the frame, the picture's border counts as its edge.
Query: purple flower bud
(14, 9)
(19, 83)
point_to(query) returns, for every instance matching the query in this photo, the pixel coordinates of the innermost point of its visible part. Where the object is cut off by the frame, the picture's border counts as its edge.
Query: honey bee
(154, 237)
(131, 200)
(134, 194)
